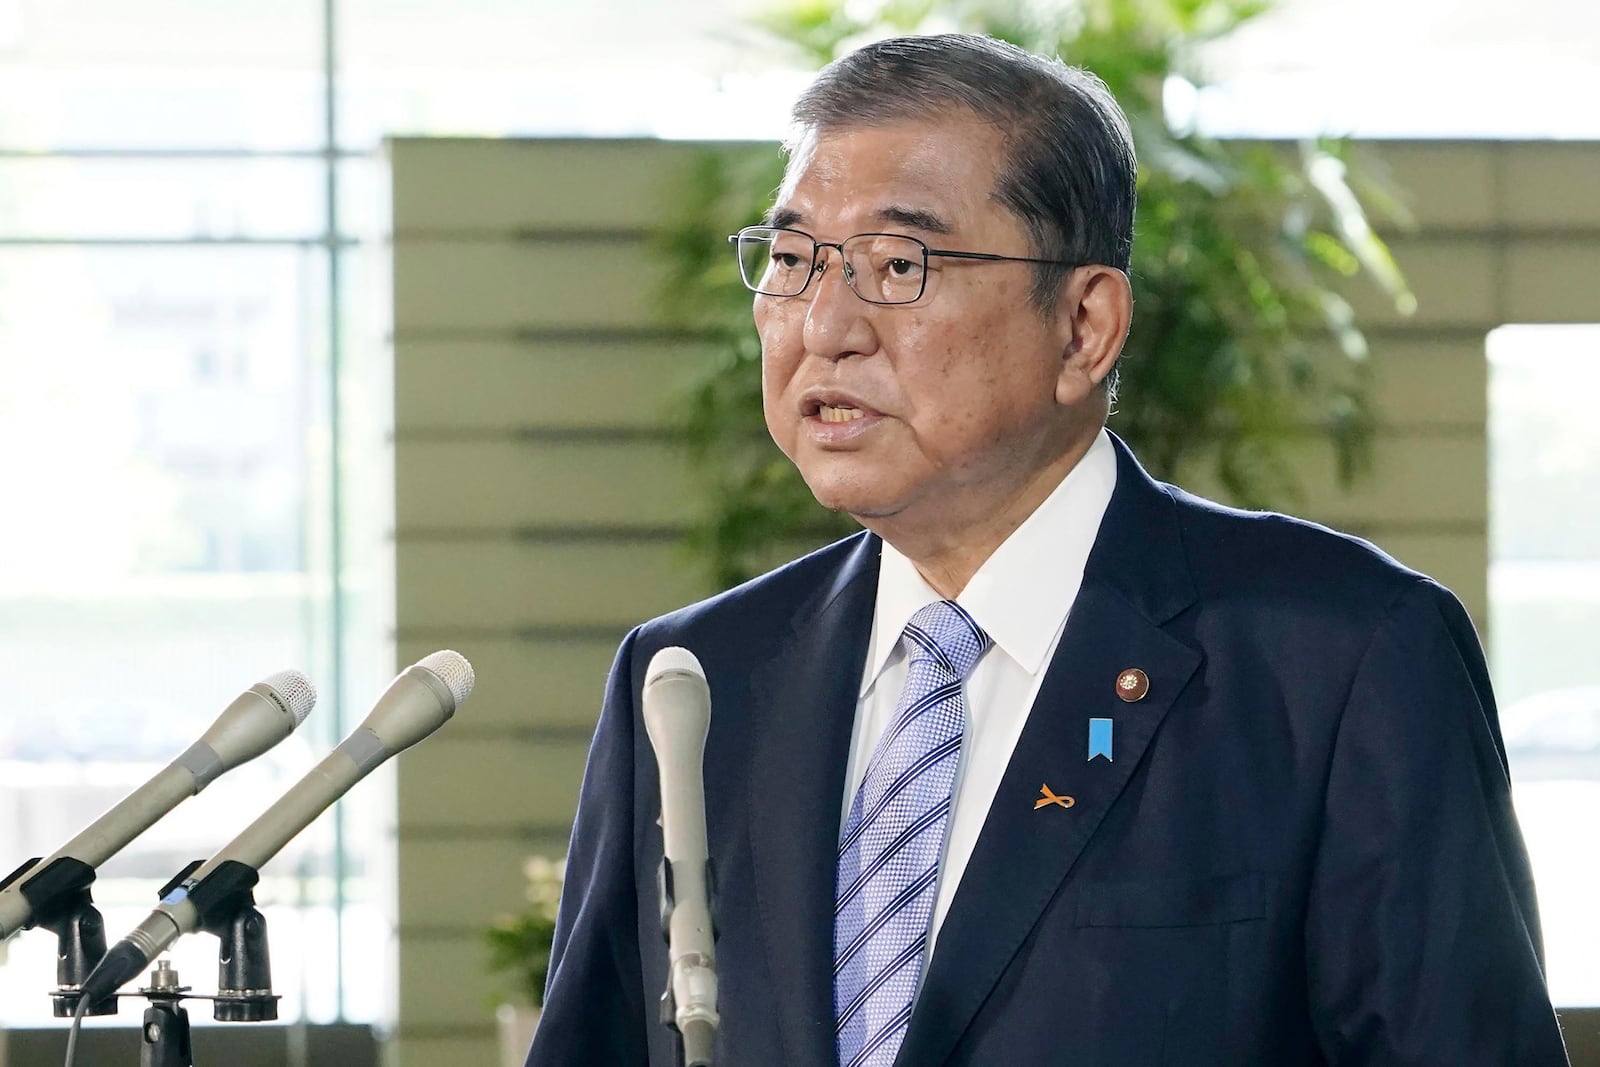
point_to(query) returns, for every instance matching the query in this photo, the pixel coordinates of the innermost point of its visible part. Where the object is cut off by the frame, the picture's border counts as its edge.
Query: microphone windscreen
(295, 691)
(453, 670)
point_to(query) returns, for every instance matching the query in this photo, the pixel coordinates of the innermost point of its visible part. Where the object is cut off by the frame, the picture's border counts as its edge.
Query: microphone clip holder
(61, 902)
(225, 900)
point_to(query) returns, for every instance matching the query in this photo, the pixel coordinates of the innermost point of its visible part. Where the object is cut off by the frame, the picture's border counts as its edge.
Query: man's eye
(786, 260)
(900, 268)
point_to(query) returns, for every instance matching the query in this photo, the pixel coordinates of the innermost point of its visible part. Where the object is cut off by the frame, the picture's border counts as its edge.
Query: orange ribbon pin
(1052, 798)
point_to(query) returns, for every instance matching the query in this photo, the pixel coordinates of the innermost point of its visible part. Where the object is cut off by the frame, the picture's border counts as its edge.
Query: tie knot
(944, 633)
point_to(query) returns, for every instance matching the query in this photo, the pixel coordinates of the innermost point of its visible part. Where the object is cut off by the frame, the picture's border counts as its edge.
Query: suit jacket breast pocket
(1173, 902)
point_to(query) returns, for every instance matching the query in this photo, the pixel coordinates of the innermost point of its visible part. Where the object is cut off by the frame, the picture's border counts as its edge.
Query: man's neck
(949, 551)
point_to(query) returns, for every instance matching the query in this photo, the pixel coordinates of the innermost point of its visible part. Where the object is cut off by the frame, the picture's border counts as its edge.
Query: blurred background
(330, 335)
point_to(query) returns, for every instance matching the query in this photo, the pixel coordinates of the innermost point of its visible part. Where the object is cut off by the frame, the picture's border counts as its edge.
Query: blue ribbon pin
(1100, 739)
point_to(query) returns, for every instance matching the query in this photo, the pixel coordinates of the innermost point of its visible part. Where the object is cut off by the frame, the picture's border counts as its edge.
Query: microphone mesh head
(453, 670)
(295, 691)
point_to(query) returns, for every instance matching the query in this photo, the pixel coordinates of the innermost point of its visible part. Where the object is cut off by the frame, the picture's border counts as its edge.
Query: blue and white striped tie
(889, 855)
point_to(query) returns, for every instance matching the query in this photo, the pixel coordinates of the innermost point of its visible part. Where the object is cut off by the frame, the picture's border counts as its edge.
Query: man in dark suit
(1054, 764)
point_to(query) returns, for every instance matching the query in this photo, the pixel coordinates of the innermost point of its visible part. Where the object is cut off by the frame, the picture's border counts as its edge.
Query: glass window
(1307, 67)
(60, 198)
(161, 74)
(164, 433)
(1544, 613)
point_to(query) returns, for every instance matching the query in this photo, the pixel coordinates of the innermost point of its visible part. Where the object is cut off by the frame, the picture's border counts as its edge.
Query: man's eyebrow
(916, 218)
(783, 217)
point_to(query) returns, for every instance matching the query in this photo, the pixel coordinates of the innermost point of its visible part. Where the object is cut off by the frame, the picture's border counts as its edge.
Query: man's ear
(1093, 313)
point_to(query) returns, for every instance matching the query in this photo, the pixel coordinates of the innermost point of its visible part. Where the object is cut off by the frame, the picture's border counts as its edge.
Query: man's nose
(836, 323)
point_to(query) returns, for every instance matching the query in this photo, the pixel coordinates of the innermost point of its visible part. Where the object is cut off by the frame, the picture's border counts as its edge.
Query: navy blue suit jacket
(1303, 852)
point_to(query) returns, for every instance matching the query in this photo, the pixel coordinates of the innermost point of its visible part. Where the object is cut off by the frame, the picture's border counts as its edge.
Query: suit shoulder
(1270, 553)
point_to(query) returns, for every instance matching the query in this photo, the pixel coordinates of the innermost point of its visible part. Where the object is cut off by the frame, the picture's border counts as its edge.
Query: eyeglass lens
(883, 268)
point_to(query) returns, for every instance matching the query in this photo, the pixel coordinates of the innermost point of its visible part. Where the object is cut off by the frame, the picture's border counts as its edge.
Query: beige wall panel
(1556, 185)
(485, 386)
(1425, 383)
(449, 184)
(496, 785)
(434, 894)
(506, 285)
(1443, 184)
(524, 684)
(445, 1051)
(451, 985)
(478, 485)
(1452, 277)
(1414, 479)
(507, 584)
(1419, 383)
(1553, 280)
(1457, 561)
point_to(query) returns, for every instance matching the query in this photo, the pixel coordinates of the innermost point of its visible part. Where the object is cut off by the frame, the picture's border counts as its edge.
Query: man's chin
(854, 501)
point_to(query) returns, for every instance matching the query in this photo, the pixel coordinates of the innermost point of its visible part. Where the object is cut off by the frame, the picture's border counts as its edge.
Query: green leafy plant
(1240, 256)
(519, 945)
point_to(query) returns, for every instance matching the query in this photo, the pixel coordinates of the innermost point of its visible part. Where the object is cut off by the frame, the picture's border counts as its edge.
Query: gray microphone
(677, 715)
(416, 704)
(263, 715)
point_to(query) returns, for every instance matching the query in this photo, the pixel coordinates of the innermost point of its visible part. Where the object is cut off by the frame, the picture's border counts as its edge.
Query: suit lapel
(1136, 579)
(796, 793)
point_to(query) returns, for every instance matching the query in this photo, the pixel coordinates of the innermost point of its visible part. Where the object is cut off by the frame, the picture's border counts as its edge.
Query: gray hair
(1070, 173)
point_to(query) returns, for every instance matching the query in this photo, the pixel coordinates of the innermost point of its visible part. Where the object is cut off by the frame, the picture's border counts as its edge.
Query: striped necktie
(889, 854)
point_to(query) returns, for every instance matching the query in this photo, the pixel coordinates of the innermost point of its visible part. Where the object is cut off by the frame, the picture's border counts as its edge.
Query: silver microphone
(677, 716)
(263, 715)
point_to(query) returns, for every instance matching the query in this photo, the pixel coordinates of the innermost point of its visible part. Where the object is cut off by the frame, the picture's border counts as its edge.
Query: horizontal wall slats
(507, 284)
(1551, 184)
(505, 186)
(502, 485)
(1426, 382)
(1441, 184)
(1415, 480)
(1552, 280)
(453, 786)
(505, 385)
(495, 885)
(506, 585)
(1453, 277)
(550, 685)
(453, 990)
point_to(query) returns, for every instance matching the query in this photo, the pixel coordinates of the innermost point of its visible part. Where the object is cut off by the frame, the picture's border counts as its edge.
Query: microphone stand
(226, 903)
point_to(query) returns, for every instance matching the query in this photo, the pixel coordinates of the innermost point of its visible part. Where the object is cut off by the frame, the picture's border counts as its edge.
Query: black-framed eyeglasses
(880, 268)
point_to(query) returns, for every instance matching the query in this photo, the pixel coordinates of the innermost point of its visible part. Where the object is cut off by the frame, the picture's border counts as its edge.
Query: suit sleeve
(594, 1010)
(1422, 937)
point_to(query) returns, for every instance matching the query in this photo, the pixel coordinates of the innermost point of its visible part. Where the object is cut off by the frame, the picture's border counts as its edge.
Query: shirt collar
(1023, 591)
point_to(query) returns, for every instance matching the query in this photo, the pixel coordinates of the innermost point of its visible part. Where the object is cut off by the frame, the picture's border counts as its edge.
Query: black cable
(77, 1023)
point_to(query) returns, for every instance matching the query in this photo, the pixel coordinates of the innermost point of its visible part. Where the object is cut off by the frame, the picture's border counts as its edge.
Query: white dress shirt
(1020, 596)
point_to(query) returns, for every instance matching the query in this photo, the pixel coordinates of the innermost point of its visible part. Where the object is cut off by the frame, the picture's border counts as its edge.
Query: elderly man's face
(926, 416)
